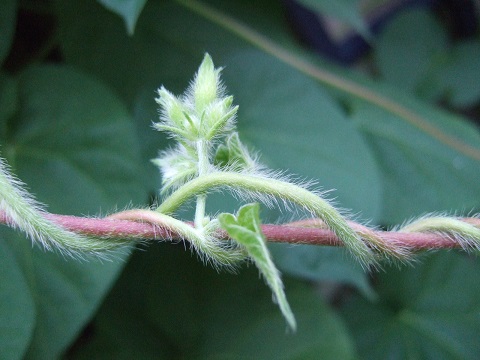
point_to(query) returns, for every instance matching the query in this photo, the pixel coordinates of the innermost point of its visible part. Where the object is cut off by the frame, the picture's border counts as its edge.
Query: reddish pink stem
(294, 233)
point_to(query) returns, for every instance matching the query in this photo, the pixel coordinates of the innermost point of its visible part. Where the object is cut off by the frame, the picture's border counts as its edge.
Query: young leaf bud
(177, 167)
(234, 155)
(172, 109)
(206, 87)
(219, 118)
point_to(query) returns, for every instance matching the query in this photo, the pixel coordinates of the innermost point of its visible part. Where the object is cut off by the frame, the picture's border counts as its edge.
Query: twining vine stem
(293, 233)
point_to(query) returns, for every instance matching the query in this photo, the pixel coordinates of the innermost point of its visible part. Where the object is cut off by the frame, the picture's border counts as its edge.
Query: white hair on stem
(212, 250)
(462, 232)
(269, 190)
(25, 213)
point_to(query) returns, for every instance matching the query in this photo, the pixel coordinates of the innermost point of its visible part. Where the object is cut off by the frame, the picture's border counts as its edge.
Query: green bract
(202, 113)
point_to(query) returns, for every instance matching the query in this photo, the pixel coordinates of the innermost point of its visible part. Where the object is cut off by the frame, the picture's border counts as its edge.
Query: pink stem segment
(302, 232)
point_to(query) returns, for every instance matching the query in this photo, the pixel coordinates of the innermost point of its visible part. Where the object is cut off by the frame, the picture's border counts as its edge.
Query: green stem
(463, 233)
(203, 165)
(212, 249)
(200, 211)
(256, 185)
(24, 213)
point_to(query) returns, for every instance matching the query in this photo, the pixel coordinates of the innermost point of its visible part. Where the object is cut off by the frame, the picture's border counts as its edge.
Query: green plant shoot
(208, 154)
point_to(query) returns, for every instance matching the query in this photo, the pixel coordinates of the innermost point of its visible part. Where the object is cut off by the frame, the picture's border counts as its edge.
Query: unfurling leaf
(245, 229)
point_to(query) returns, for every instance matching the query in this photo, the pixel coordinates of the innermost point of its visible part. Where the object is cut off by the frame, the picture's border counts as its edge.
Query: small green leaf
(177, 167)
(222, 156)
(129, 10)
(206, 85)
(233, 154)
(245, 229)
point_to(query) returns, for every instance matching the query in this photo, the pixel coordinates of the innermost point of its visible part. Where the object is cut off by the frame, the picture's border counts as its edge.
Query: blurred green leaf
(129, 10)
(8, 19)
(431, 169)
(431, 311)
(17, 308)
(74, 145)
(346, 11)
(260, 334)
(72, 128)
(319, 263)
(121, 332)
(67, 294)
(410, 48)
(414, 53)
(131, 65)
(461, 73)
(193, 312)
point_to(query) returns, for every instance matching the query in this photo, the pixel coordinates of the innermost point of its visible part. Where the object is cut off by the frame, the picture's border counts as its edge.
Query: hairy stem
(255, 185)
(465, 233)
(207, 246)
(24, 213)
(292, 233)
(200, 211)
(203, 165)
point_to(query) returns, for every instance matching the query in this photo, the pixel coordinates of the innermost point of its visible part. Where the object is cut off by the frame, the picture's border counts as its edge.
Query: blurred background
(378, 100)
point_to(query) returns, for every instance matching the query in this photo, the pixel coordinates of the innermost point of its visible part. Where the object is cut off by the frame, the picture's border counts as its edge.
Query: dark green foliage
(426, 312)
(75, 125)
(74, 143)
